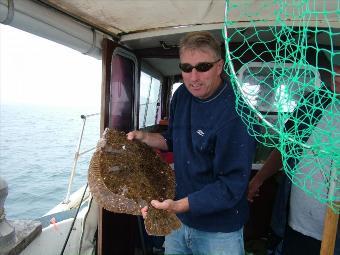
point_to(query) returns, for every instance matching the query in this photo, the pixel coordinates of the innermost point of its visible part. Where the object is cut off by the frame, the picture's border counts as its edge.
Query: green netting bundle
(282, 60)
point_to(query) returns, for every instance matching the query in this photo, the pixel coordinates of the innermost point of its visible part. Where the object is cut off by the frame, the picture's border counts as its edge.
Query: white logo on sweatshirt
(200, 132)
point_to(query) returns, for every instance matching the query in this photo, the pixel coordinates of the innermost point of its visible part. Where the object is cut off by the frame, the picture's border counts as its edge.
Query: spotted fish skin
(124, 176)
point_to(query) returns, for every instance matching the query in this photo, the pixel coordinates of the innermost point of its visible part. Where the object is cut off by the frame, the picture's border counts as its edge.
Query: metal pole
(76, 156)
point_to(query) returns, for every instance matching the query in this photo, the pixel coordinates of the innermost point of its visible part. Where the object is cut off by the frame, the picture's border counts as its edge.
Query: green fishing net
(281, 58)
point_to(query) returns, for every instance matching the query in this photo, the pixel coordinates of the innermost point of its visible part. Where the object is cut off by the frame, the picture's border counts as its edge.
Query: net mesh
(281, 58)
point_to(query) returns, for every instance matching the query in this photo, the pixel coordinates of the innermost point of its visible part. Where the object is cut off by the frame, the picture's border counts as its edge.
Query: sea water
(37, 150)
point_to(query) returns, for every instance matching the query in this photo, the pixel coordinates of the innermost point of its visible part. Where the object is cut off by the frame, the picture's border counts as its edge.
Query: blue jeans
(186, 240)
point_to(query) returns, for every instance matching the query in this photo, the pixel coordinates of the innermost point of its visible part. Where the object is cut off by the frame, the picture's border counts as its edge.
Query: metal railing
(77, 155)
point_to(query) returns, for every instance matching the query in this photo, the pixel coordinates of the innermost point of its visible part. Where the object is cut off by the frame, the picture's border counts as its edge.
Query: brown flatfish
(124, 176)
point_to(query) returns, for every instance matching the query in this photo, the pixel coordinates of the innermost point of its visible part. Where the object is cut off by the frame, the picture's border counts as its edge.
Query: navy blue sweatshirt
(212, 156)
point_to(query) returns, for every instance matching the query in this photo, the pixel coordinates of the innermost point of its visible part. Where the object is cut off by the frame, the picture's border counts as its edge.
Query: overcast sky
(34, 70)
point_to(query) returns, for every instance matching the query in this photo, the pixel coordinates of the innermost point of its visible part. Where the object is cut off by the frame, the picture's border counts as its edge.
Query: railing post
(76, 156)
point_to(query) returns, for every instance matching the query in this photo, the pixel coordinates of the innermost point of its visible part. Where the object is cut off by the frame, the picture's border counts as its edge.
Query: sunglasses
(200, 67)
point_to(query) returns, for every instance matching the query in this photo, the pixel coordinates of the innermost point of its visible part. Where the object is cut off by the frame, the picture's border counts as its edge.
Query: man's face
(201, 84)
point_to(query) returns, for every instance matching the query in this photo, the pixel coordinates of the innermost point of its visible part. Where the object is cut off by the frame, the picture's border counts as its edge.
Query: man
(302, 228)
(212, 155)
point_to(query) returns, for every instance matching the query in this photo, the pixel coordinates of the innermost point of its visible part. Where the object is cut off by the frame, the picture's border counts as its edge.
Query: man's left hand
(170, 205)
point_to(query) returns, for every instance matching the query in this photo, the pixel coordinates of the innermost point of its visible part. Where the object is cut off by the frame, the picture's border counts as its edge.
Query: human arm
(272, 165)
(221, 167)
(297, 124)
(154, 140)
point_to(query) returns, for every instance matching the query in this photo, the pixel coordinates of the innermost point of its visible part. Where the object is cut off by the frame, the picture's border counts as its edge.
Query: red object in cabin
(168, 157)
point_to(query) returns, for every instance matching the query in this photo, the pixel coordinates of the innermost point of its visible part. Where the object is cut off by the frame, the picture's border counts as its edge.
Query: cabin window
(149, 100)
(258, 79)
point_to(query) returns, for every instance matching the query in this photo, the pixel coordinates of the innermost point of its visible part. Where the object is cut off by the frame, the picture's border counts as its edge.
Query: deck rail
(77, 155)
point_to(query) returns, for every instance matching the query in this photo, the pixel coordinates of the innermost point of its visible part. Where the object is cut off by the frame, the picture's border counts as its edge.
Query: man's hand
(254, 189)
(154, 140)
(136, 135)
(169, 205)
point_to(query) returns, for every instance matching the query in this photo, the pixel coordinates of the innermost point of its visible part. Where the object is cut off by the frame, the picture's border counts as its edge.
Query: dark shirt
(212, 156)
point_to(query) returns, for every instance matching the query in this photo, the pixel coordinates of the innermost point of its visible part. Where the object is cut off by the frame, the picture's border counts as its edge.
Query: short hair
(200, 40)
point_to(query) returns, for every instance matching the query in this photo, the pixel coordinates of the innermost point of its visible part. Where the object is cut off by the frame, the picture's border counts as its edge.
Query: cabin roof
(144, 24)
(133, 17)
(120, 17)
(131, 21)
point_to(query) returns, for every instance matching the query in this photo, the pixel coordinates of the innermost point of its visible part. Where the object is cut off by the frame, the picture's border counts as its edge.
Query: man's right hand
(136, 135)
(154, 140)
